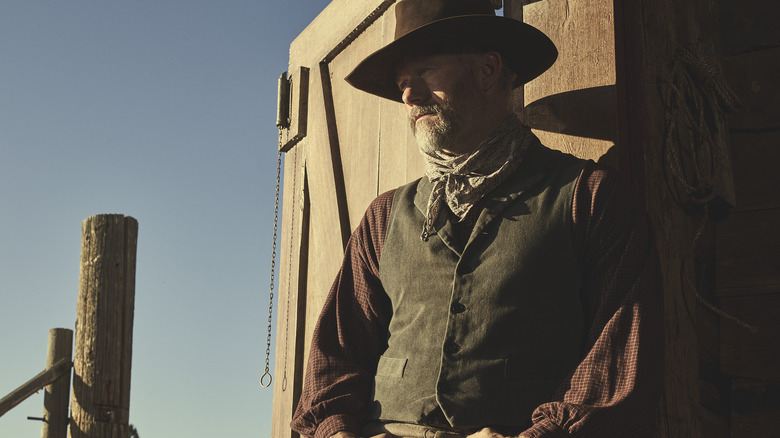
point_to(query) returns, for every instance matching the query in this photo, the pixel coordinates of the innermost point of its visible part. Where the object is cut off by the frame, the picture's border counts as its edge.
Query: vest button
(451, 348)
(457, 308)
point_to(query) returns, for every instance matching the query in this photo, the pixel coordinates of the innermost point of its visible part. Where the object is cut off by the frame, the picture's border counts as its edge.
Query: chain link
(267, 374)
(293, 202)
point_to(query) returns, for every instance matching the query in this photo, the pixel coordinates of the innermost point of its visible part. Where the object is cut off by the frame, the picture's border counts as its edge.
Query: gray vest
(486, 334)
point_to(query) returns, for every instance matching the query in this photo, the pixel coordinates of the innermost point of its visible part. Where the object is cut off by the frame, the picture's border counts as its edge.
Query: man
(512, 291)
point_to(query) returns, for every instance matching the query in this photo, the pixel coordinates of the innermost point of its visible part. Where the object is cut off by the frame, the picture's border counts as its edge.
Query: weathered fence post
(57, 395)
(104, 328)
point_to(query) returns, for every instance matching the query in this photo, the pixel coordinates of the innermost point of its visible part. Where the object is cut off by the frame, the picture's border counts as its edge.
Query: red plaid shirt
(612, 393)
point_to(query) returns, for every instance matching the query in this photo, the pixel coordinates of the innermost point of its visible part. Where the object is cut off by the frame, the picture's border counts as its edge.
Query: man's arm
(615, 389)
(349, 337)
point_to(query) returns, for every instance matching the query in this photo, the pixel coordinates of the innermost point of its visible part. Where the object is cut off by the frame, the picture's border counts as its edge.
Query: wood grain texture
(653, 32)
(756, 160)
(573, 106)
(332, 144)
(748, 260)
(57, 396)
(357, 118)
(290, 263)
(747, 26)
(753, 76)
(328, 29)
(746, 354)
(714, 425)
(756, 409)
(400, 160)
(104, 328)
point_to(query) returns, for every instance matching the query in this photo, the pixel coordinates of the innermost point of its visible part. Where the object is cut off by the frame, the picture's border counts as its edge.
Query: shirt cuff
(336, 423)
(545, 429)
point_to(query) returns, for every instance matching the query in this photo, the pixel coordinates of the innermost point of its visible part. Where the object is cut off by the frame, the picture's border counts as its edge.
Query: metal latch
(283, 102)
(292, 108)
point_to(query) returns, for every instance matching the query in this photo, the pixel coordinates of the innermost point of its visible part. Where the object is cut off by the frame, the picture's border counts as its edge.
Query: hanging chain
(293, 202)
(265, 383)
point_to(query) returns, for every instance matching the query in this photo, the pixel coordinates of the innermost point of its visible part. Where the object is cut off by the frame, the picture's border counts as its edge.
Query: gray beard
(437, 135)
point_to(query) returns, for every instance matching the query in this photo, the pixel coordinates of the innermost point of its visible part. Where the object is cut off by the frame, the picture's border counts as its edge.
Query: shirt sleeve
(350, 335)
(614, 392)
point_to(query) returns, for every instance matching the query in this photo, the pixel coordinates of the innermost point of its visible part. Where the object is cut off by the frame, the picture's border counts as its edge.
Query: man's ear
(490, 69)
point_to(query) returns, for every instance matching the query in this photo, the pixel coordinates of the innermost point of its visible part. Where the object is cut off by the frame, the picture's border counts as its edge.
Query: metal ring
(262, 379)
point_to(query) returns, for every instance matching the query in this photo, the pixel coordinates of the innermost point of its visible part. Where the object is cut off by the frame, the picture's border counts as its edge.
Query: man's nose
(415, 92)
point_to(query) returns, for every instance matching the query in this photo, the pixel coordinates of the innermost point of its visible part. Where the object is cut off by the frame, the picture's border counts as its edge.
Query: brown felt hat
(466, 23)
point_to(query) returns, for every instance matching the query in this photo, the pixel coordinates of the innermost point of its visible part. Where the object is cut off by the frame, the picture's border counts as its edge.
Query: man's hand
(343, 434)
(490, 433)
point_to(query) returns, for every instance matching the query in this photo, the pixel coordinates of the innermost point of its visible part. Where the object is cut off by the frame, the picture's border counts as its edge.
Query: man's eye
(402, 85)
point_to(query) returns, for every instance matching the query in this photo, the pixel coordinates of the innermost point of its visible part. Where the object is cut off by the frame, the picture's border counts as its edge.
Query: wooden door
(343, 148)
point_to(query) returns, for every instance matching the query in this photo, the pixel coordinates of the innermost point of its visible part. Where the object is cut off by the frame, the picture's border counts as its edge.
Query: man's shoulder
(380, 206)
(383, 201)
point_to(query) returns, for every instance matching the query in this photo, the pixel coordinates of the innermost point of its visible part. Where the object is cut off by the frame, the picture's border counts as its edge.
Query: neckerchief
(462, 180)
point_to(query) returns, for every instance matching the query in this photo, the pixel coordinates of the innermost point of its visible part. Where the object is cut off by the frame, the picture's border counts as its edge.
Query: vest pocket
(390, 367)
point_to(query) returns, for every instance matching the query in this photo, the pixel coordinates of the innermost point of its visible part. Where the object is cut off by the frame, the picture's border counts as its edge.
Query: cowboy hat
(420, 23)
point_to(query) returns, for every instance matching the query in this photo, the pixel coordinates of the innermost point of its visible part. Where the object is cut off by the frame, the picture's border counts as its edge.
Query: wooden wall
(748, 242)
(572, 107)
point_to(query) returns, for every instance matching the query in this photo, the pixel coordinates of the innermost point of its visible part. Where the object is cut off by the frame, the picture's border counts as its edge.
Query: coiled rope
(696, 99)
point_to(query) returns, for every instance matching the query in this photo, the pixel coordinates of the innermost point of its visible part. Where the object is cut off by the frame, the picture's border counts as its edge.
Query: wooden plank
(746, 354)
(748, 25)
(756, 409)
(756, 160)
(285, 377)
(399, 157)
(45, 377)
(714, 425)
(329, 28)
(335, 160)
(357, 119)
(748, 261)
(573, 106)
(753, 76)
(325, 245)
(300, 303)
(653, 31)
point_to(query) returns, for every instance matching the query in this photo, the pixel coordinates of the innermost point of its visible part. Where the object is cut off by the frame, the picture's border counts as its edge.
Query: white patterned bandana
(463, 180)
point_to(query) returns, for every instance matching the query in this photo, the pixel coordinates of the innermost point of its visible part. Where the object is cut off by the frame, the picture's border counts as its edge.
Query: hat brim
(528, 51)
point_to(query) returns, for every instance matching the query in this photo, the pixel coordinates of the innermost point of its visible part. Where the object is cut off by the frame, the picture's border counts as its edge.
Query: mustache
(418, 111)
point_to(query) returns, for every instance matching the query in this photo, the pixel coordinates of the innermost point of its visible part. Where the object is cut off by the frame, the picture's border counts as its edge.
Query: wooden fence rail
(58, 365)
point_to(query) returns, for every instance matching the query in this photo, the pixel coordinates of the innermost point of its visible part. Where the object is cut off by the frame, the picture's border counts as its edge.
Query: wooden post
(104, 328)
(57, 395)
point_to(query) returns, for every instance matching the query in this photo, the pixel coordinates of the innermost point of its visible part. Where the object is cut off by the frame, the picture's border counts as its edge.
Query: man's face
(442, 99)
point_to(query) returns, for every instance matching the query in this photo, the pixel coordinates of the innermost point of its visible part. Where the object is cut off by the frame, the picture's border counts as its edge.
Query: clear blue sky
(161, 110)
